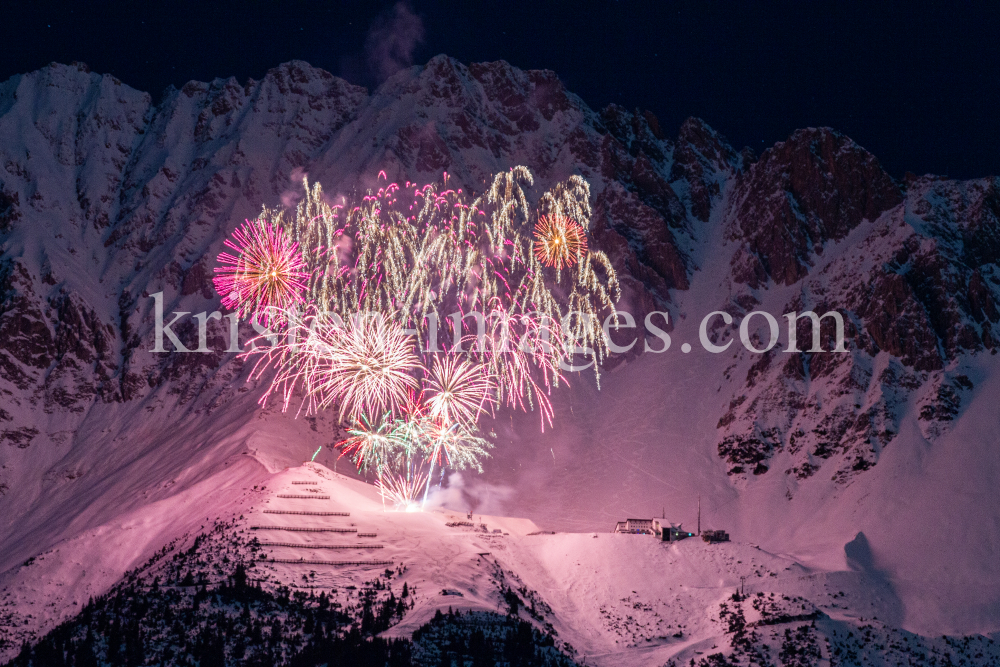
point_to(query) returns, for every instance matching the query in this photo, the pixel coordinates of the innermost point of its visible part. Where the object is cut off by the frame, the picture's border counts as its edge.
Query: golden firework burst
(559, 241)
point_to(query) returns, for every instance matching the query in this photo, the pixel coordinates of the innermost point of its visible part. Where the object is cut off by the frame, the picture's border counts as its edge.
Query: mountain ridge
(107, 198)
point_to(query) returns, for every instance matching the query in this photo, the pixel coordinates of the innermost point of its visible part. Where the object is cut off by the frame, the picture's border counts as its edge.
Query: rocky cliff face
(915, 285)
(107, 197)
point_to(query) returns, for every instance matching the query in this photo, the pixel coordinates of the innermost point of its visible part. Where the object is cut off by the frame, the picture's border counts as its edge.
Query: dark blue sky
(918, 84)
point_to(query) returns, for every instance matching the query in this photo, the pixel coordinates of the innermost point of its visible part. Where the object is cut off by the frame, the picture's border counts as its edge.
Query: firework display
(370, 444)
(459, 391)
(559, 241)
(266, 276)
(402, 491)
(363, 364)
(415, 310)
(425, 253)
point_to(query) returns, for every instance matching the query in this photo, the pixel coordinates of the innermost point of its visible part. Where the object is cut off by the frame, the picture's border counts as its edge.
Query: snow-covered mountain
(107, 197)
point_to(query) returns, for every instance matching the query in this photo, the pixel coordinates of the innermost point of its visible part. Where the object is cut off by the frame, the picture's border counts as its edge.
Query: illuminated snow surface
(610, 598)
(111, 451)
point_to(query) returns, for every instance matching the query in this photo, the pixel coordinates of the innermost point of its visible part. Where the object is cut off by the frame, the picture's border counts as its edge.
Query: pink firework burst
(266, 275)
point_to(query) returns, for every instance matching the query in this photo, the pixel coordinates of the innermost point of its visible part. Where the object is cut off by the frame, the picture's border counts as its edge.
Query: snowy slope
(605, 598)
(107, 197)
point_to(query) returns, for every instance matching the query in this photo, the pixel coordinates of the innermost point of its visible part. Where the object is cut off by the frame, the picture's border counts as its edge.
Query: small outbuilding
(712, 536)
(668, 531)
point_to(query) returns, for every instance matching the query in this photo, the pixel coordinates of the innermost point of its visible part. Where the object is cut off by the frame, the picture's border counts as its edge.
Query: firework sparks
(459, 391)
(365, 365)
(560, 242)
(392, 262)
(371, 373)
(457, 446)
(265, 277)
(370, 444)
(521, 354)
(402, 491)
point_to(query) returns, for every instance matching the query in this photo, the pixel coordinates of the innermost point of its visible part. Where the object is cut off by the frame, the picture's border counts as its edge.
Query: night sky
(916, 84)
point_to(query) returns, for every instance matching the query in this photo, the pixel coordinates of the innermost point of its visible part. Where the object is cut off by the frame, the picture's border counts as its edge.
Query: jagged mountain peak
(813, 188)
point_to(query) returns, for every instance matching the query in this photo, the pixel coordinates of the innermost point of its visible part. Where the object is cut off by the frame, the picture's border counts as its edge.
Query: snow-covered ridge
(600, 598)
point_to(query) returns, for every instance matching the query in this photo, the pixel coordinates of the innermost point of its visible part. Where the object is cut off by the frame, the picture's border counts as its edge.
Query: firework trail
(265, 277)
(457, 446)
